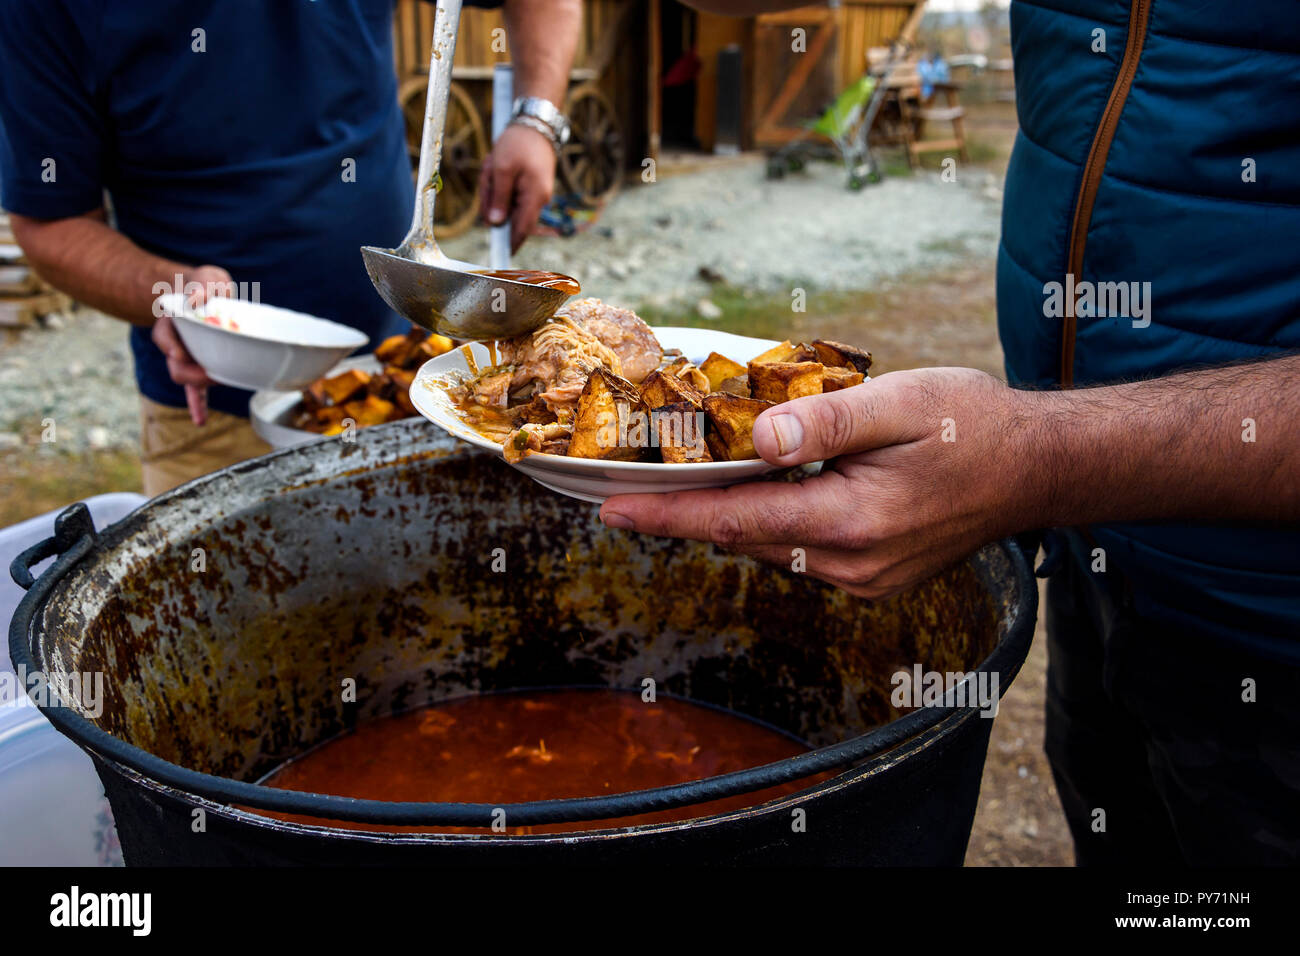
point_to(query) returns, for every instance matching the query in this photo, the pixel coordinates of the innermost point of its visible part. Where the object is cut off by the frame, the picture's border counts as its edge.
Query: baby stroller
(847, 124)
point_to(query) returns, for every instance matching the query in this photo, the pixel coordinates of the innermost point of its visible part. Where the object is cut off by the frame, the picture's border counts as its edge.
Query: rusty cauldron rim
(75, 537)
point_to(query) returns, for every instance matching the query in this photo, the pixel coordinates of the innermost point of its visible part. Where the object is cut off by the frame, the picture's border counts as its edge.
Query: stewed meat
(553, 363)
(623, 331)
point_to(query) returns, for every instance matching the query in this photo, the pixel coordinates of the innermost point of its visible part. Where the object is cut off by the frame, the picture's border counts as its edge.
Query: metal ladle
(417, 279)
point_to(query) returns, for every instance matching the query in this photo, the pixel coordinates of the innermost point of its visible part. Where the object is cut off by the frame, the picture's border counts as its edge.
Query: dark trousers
(1157, 757)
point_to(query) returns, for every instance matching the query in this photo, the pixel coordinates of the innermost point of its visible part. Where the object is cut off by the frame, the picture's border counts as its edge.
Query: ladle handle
(446, 24)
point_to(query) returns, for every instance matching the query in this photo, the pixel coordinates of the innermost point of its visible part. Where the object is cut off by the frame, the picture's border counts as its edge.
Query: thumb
(818, 427)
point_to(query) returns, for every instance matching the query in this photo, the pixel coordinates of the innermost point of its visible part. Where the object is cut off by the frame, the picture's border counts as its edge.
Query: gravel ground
(806, 230)
(648, 248)
(76, 371)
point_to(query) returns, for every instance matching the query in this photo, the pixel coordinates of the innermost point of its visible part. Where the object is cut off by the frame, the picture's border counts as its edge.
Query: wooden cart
(590, 165)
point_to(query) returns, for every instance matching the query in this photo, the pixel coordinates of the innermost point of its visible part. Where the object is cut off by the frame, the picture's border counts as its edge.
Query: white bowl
(260, 346)
(586, 478)
(270, 411)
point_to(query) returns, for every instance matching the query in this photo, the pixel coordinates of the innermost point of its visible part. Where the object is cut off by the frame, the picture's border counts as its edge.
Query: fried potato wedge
(785, 352)
(663, 388)
(431, 347)
(402, 399)
(381, 386)
(611, 423)
(413, 349)
(345, 385)
(688, 371)
(679, 431)
(834, 379)
(369, 411)
(327, 417)
(314, 397)
(439, 344)
(392, 348)
(718, 368)
(778, 382)
(731, 425)
(838, 355)
(736, 385)
(401, 377)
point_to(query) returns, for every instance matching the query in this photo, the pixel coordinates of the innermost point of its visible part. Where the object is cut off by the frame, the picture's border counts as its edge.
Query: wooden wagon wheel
(591, 163)
(464, 147)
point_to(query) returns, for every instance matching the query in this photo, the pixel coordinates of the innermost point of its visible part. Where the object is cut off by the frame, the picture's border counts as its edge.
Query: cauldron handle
(74, 531)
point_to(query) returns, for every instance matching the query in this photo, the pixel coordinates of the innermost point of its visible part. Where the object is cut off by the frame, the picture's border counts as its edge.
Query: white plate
(272, 348)
(586, 478)
(271, 411)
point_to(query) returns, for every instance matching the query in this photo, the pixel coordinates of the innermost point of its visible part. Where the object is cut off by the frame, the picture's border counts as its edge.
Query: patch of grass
(32, 484)
(980, 151)
(921, 318)
(984, 152)
(953, 245)
(893, 165)
(768, 315)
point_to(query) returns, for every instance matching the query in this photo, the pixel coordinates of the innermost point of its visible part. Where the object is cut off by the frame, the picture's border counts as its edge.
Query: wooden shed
(646, 76)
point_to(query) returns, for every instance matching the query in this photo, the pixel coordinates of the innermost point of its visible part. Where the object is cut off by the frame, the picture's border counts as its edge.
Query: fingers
(818, 427)
(849, 571)
(168, 342)
(203, 283)
(849, 562)
(180, 365)
(743, 516)
(500, 190)
(528, 207)
(196, 398)
(516, 181)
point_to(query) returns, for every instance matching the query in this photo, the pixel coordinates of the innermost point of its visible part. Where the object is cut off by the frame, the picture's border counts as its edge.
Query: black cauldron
(226, 616)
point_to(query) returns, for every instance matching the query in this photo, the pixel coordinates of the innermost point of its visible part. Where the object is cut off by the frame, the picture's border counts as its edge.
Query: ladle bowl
(417, 279)
(454, 301)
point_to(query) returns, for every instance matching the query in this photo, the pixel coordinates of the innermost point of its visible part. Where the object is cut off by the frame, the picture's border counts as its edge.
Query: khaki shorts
(174, 450)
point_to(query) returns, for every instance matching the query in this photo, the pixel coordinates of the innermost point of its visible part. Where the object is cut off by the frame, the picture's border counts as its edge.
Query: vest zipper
(1138, 15)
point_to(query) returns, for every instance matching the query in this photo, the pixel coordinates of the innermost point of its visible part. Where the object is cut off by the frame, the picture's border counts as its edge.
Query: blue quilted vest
(1157, 169)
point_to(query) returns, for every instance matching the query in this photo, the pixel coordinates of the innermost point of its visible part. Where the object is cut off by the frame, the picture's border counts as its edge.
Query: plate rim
(167, 302)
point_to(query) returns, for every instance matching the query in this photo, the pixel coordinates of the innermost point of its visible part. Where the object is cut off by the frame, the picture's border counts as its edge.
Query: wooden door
(796, 71)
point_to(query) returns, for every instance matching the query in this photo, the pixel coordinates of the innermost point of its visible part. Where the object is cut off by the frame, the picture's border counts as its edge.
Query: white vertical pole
(503, 95)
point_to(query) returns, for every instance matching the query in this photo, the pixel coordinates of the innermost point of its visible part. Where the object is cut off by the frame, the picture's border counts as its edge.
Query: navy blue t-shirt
(227, 146)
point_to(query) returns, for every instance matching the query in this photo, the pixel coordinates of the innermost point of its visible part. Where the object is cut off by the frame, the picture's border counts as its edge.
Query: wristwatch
(544, 116)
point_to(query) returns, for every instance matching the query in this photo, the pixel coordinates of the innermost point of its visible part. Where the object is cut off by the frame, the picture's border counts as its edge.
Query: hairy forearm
(543, 39)
(1216, 444)
(95, 264)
